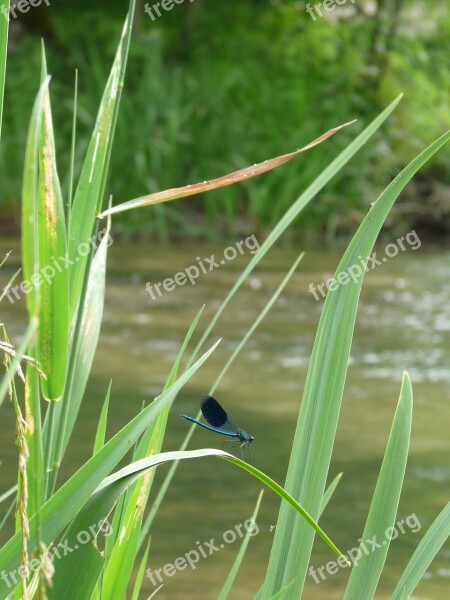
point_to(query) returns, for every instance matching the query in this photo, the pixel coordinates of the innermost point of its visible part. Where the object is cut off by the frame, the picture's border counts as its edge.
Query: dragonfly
(221, 423)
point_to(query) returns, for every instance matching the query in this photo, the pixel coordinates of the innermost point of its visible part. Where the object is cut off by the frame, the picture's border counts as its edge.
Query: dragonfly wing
(216, 416)
(213, 412)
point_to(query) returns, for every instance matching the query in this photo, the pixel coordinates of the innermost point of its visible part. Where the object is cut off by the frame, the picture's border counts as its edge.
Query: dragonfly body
(219, 422)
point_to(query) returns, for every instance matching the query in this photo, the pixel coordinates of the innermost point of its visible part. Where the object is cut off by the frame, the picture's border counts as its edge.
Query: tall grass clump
(54, 360)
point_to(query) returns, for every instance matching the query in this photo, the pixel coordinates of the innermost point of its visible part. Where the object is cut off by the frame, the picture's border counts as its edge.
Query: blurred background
(213, 86)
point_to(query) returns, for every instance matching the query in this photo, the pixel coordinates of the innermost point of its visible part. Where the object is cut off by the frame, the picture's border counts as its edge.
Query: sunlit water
(403, 323)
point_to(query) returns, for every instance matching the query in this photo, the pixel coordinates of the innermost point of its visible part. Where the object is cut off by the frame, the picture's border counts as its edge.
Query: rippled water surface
(403, 323)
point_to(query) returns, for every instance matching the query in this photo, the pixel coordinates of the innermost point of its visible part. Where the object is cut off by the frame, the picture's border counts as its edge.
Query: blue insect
(221, 423)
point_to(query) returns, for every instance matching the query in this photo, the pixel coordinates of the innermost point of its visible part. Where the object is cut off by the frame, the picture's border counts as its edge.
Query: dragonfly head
(250, 439)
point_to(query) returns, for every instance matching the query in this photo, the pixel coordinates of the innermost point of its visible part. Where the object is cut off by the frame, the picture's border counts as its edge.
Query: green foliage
(319, 412)
(200, 105)
(383, 510)
(90, 495)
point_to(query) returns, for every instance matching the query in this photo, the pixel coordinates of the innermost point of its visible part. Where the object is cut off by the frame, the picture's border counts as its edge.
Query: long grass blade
(7, 291)
(7, 512)
(100, 434)
(121, 557)
(316, 427)
(173, 467)
(65, 583)
(367, 570)
(325, 500)
(53, 279)
(56, 430)
(429, 546)
(214, 184)
(12, 490)
(318, 184)
(66, 502)
(140, 574)
(257, 322)
(329, 492)
(285, 495)
(281, 593)
(72, 146)
(30, 241)
(224, 592)
(89, 333)
(89, 194)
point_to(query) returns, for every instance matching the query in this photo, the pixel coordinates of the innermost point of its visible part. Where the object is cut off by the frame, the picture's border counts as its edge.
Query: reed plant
(53, 361)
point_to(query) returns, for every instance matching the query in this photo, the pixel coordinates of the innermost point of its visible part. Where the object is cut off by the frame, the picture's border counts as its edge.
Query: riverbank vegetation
(58, 347)
(207, 94)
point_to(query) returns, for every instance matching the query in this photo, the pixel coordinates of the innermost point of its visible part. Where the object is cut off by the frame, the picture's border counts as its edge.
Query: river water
(403, 323)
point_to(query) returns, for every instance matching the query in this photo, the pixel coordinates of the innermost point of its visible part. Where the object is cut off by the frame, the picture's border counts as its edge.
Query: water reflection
(403, 323)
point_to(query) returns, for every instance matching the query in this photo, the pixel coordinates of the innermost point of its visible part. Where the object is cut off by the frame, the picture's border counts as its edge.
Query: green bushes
(200, 105)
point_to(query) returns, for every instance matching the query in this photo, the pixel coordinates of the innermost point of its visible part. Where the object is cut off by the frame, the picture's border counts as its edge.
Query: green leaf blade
(122, 557)
(91, 185)
(89, 331)
(62, 507)
(100, 434)
(107, 494)
(292, 213)
(318, 417)
(53, 337)
(367, 570)
(224, 592)
(30, 248)
(429, 546)
(329, 492)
